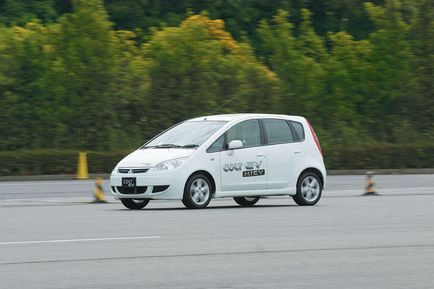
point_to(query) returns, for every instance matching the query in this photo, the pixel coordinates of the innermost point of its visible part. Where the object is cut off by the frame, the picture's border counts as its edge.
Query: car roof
(237, 116)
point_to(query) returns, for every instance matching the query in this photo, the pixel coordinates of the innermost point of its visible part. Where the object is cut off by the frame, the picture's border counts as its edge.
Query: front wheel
(135, 204)
(197, 192)
(309, 189)
(246, 201)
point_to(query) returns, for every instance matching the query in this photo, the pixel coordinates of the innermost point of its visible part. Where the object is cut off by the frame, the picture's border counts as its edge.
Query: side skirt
(251, 193)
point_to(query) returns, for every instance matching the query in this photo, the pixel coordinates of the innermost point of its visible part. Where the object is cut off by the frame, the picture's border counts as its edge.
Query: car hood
(151, 157)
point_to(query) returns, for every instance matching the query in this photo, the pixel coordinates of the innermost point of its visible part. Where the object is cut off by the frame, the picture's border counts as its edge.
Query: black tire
(246, 201)
(194, 197)
(135, 204)
(308, 193)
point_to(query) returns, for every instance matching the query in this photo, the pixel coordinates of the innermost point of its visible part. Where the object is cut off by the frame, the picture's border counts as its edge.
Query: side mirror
(235, 144)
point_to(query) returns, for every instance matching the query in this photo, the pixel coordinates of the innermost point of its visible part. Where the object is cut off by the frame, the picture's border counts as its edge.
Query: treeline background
(107, 75)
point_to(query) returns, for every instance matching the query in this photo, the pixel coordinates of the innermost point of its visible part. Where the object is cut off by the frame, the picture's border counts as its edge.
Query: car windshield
(189, 134)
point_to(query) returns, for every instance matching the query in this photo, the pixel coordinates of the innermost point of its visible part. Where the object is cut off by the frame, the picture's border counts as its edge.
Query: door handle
(260, 155)
(297, 151)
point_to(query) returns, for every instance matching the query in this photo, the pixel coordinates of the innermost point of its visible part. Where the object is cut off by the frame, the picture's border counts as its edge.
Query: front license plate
(129, 182)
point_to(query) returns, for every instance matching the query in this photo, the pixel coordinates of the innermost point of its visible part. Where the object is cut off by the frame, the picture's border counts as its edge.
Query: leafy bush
(380, 156)
(41, 162)
(372, 156)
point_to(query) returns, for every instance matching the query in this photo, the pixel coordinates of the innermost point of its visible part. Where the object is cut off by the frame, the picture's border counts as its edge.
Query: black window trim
(263, 132)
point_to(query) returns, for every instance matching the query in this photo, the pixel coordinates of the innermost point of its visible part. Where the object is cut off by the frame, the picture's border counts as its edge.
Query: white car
(243, 156)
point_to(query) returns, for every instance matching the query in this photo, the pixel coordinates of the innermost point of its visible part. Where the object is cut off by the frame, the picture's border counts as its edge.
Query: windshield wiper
(167, 145)
(188, 146)
(171, 146)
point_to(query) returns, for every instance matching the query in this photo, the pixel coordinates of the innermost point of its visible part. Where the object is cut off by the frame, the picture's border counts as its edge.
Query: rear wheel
(135, 204)
(309, 189)
(246, 201)
(197, 192)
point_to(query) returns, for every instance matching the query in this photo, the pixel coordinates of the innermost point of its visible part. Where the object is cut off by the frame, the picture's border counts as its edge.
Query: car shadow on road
(209, 208)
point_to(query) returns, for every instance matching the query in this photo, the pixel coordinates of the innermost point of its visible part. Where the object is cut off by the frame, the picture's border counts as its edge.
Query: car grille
(138, 171)
(134, 171)
(133, 190)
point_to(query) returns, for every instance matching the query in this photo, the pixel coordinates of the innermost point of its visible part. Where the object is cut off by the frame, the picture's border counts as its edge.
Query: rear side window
(247, 132)
(298, 127)
(277, 131)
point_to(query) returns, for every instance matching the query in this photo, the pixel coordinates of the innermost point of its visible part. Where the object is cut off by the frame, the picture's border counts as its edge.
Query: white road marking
(78, 240)
(380, 188)
(397, 191)
(48, 182)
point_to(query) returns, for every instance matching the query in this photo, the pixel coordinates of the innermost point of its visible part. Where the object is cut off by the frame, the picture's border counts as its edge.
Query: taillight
(318, 145)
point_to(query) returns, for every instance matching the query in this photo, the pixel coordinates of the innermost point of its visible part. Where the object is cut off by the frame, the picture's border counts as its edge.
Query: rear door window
(277, 131)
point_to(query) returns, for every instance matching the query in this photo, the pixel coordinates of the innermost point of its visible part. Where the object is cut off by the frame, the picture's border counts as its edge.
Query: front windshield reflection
(189, 134)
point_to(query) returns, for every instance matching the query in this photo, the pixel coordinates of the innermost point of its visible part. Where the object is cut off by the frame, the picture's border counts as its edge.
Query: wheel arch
(315, 171)
(208, 175)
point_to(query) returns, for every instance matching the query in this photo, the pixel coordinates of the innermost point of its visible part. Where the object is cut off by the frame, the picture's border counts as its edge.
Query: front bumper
(149, 186)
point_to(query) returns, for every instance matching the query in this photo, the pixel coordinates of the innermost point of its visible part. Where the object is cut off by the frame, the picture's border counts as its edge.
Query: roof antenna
(223, 105)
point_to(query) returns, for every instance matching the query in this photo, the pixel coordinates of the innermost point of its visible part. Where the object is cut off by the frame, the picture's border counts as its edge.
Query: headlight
(170, 164)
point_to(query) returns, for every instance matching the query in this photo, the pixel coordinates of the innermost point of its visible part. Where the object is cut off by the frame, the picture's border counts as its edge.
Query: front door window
(244, 169)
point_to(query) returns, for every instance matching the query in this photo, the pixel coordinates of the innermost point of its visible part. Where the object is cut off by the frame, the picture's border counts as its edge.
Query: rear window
(298, 127)
(278, 131)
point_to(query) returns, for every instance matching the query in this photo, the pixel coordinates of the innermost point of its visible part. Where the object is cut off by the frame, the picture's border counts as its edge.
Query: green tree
(348, 83)
(20, 12)
(295, 63)
(309, 42)
(393, 79)
(243, 16)
(130, 91)
(422, 40)
(25, 56)
(91, 71)
(76, 82)
(198, 69)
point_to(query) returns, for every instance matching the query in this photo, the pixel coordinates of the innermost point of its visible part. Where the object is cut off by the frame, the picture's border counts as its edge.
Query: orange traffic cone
(99, 192)
(370, 183)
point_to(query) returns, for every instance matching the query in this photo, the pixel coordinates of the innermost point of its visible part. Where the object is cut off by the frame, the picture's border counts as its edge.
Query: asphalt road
(51, 238)
(336, 186)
